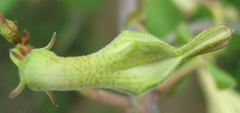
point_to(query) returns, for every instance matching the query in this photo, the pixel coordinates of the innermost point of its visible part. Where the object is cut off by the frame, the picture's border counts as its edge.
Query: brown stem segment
(106, 97)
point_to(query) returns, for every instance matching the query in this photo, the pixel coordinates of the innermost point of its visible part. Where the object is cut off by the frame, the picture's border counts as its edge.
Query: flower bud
(9, 30)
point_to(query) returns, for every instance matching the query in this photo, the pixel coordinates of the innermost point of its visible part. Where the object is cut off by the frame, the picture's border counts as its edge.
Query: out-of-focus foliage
(222, 78)
(162, 13)
(8, 5)
(84, 26)
(218, 100)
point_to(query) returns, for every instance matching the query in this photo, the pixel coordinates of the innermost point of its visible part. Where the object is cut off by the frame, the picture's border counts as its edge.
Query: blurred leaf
(184, 33)
(217, 100)
(179, 86)
(86, 6)
(238, 73)
(203, 12)
(41, 20)
(235, 3)
(162, 17)
(223, 79)
(228, 60)
(7, 5)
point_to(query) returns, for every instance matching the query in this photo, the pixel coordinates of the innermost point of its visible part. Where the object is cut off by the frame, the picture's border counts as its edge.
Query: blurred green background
(85, 26)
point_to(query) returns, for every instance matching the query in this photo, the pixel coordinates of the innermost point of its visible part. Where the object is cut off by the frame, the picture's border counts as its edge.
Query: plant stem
(107, 97)
(146, 103)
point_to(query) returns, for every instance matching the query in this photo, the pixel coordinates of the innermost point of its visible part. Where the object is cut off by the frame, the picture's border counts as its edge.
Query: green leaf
(162, 17)
(222, 78)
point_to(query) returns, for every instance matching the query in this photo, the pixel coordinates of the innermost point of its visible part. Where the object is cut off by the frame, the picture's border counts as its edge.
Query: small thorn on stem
(18, 56)
(17, 90)
(52, 97)
(51, 43)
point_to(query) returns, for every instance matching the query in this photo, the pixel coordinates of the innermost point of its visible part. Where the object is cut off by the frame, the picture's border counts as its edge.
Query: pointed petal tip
(17, 90)
(13, 94)
(52, 97)
(51, 43)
